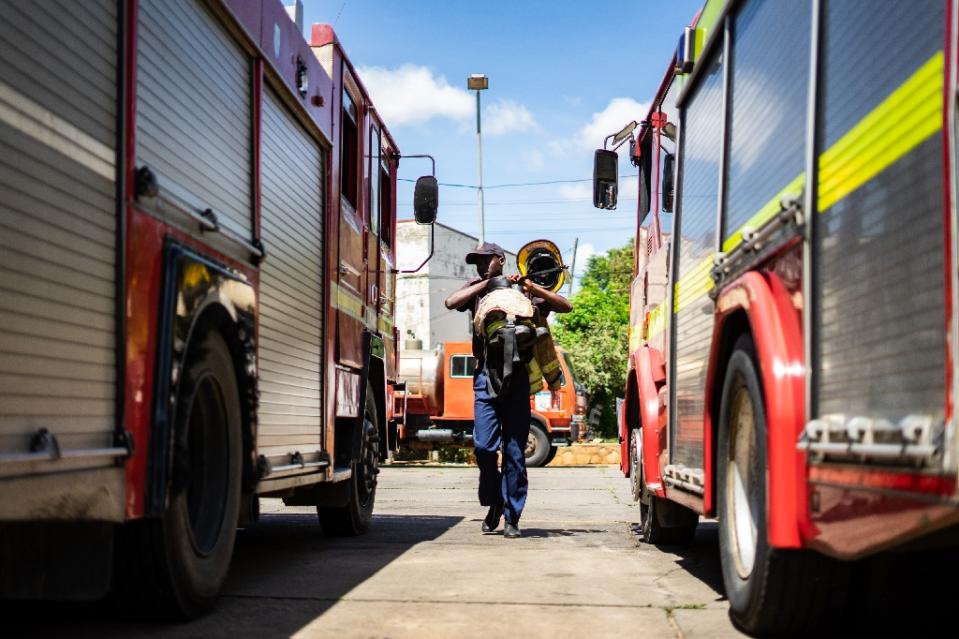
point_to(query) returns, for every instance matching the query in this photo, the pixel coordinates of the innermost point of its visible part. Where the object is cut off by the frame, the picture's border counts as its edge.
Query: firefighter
(503, 421)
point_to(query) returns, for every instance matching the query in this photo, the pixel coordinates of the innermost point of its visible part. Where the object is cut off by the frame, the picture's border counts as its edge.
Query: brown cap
(484, 249)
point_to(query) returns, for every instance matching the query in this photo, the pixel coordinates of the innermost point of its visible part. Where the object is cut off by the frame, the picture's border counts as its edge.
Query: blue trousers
(503, 422)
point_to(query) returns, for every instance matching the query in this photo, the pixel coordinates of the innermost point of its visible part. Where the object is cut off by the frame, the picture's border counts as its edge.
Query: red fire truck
(792, 366)
(198, 218)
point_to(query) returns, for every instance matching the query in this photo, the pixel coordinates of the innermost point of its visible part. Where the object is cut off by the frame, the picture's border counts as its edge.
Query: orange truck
(433, 403)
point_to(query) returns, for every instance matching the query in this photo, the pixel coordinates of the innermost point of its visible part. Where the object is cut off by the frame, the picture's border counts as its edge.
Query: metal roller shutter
(767, 111)
(695, 245)
(194, 109)
(880, 246)
(58, 68)
(291, 286)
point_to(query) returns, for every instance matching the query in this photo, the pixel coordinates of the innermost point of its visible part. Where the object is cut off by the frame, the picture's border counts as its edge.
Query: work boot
(511, 531)
(492, 518)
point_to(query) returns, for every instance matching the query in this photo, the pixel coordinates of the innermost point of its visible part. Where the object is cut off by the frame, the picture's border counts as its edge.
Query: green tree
(595, 332)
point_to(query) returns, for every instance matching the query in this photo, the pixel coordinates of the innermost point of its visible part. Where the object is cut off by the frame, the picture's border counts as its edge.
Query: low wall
(587, 455)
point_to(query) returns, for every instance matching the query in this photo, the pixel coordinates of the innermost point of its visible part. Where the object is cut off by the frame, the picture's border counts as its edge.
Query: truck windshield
(572, 371)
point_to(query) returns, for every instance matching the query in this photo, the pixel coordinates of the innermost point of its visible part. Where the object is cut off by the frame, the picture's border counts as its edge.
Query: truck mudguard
(774, 323)
(197, 290)
(649, 374)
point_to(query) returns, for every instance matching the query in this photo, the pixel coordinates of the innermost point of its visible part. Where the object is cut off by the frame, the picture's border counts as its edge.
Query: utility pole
(479, 82)
(572, 268)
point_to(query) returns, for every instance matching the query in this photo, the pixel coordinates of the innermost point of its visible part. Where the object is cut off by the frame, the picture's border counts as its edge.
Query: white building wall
(420, 297)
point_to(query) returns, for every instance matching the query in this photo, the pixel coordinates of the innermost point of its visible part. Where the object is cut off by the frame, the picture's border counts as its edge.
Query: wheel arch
(376, 375)
(199, 296)
(650, 377)
(760, 304)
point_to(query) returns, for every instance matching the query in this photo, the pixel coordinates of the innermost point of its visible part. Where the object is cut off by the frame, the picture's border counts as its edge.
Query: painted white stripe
(38, 122)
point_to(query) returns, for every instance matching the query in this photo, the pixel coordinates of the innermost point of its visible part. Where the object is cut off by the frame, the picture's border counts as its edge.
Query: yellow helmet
(541, 262)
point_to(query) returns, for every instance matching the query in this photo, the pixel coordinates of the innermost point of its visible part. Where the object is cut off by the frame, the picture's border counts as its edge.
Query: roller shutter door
(291, 286)
(694, 245)
(58, 66)
(194, 109)
(880, 240)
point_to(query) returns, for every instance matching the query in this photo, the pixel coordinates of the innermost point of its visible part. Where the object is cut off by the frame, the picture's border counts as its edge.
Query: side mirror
(605, 174)
(426, 195)
(668, 182)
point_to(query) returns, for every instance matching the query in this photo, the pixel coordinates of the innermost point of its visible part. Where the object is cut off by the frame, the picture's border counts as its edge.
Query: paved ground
(425, 570)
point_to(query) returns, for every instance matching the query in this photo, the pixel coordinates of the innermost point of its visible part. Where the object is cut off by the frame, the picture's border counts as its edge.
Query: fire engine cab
(198, 213)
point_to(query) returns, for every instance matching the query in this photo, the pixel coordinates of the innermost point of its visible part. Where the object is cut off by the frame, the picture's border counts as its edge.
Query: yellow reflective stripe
(767, 212)
(657, 321)
(385, 324)
(693, 285)
(347, 302)
(550, 366)
(901, 122)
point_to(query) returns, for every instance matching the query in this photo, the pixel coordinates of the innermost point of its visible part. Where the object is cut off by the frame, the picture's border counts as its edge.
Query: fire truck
(198, 213)
(792, 365)
(434, 407)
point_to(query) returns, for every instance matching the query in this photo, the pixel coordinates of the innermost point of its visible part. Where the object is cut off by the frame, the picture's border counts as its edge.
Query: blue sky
(562, 76)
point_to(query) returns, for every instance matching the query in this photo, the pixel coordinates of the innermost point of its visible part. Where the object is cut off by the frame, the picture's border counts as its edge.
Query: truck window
(348, 160)
(462, 365)
(373, 171)
(572, 371)
(386, 202)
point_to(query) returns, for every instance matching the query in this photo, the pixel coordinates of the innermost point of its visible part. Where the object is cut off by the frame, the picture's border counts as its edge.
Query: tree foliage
(595, 332)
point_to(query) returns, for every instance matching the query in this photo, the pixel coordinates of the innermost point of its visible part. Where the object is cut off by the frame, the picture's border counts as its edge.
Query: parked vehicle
(792, 365)
(198, 210)
(436, 403)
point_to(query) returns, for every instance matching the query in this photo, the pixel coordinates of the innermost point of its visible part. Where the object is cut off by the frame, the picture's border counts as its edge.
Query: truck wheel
(354, 518)
(661, 521)
(174, 566)
(552, 453)
(769, 590)
(537, 445)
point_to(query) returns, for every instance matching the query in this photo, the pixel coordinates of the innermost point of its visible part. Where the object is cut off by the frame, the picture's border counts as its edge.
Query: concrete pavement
(425, 570)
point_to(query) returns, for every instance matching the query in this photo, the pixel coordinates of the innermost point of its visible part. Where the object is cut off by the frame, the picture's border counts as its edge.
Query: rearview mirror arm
(428, 257)
(421, 155)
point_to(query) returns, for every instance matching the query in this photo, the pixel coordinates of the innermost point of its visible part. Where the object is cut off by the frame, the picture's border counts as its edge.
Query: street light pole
(479, 82)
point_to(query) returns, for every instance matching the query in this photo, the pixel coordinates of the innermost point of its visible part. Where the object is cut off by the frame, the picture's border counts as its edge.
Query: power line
(512, 184)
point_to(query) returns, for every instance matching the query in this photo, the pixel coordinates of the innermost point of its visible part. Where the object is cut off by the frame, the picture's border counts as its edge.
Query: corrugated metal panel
(194, 108)
(695, 243)
(767, 106)
(291, 286)
(57, 220)
(880, 248)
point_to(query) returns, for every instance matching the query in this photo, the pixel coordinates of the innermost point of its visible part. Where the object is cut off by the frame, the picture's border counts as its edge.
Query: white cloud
(507, 116)
(618, 113)
(583, 253)
(413, 94)
(534, 159)
(583, 191)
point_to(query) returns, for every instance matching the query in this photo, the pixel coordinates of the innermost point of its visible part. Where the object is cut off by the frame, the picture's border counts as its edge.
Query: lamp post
(479, 82)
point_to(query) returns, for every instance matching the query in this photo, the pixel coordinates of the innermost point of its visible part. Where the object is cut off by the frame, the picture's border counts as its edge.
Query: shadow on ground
(284, 575)
(892, 594)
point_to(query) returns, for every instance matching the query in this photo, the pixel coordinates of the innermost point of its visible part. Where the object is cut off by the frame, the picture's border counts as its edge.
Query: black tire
(769, 590)
(355, 518)
(537, 445)
(661, 522)
(552, 453)
(174, 567)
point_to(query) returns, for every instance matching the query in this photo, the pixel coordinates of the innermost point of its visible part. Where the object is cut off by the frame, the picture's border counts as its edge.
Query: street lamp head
(477, 82)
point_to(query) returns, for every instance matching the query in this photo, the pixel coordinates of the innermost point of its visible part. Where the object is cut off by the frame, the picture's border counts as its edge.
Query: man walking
(503, 421)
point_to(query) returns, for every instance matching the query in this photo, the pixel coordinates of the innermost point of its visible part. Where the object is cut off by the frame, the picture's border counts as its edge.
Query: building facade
(421, 317)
